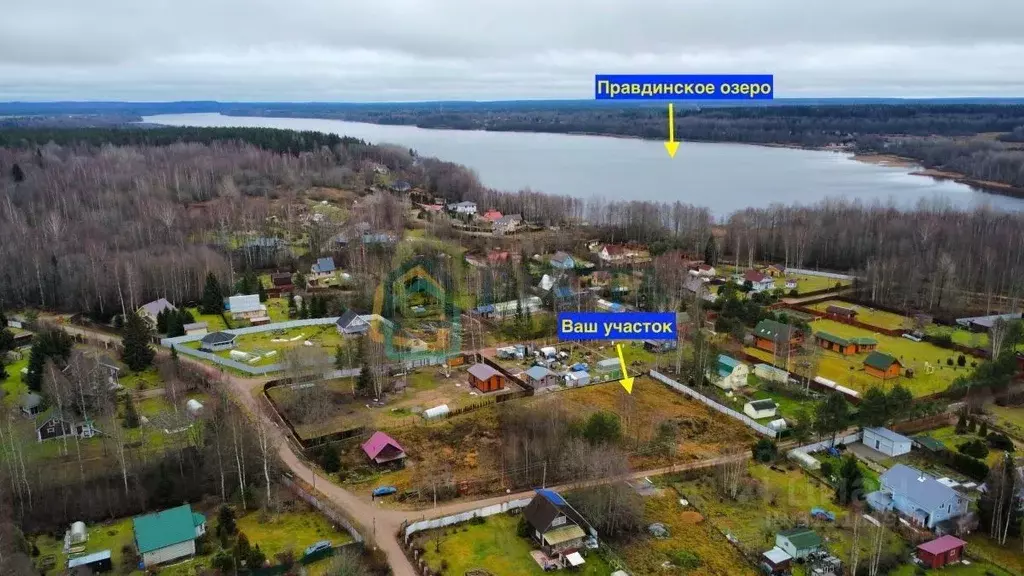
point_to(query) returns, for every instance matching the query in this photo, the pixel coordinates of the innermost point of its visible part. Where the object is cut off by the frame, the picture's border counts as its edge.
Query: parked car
(384, 491)
(822, 514)
(318, 547)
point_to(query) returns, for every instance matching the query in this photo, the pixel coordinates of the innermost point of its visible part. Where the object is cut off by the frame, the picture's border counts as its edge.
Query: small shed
(778, 425)
(79, 533)
(941, 551)
(758, 409)
(436, 411)
(95, 563)
(539, 377)
(383, 449)
(217, 341)
(548, 352)
(886, 441)
(485, 378)
(578, 378)
(194, 407)
(31, 404)
(196, 328)
(799, 543)
(776, 561)
(881, 365)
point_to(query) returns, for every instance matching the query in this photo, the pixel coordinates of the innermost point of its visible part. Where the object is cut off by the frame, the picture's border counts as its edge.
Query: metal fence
(746, 420)
(241, 366)
(819, 446)
(465, 516)
(820, 273)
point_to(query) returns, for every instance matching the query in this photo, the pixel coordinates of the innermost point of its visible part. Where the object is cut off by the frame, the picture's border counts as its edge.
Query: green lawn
(13, 387)
(959, 335)
(806, 283)
(274, 534)
(785, 498)
(148, 378)
(979, 545)
(879, 318)
(214, 321)
(325, 338)
(787, 407)
(948, 436)
(974, 569)
(1009, 417)
(493, 545)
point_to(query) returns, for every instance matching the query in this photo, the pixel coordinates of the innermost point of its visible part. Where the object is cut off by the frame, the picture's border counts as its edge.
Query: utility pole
(544, 476)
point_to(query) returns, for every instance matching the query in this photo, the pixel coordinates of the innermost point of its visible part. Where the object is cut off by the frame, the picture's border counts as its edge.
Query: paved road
(380, 526)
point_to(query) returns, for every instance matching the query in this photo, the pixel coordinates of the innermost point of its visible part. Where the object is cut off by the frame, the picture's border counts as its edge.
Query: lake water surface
(723, 177)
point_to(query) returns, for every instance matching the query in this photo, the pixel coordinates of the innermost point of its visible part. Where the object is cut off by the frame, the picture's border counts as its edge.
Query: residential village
(382, 384)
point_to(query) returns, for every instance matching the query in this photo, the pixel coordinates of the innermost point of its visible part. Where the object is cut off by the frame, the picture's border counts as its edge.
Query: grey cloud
(426, 49)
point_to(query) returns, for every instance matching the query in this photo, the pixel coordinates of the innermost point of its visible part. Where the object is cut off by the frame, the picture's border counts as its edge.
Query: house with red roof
(492, 215)
(758, 280)
(941, 551)
(383, 449)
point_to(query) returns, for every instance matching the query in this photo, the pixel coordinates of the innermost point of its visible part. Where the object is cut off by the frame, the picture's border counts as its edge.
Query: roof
(929, 443)
(728, 361)
(217, 338)
(608, 363)
(244, 303)
(378, 442)
(614, 249)
(765, 404)
(492, 215)
(538, 372)
(560, 256)
(31, 400)
(483, 371)
(552, 496)
(802, 538)
(777, 555)
(195, 325)
(888, 434)
(880, 360)
(465, 204)
(864, 341)
(988, 321)
(563, 534)
(509, 219)
(348, 318)
(89, 559)
(942, 545)
(833, 309)
(575, 559)
(832, 338)
(775, 331)
(157, 306)
(755, 276)
(166, 528)
(325, 264)
(923, 490)
(563, 292)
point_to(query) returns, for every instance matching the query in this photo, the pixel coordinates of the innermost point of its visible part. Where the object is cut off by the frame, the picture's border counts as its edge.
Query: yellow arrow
(626, 381)
(671, 145)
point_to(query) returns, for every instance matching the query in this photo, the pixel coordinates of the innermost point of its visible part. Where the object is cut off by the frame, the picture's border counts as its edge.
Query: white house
(463, 208)
(507, 224)
(612, 253)
(217, 341)
(729, 373)
(758, 409)
(150, 310)
(886, 441)
(759, 281)
(168, 535)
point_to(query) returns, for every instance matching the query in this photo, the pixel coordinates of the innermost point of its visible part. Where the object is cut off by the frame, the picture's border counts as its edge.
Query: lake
(723, 177)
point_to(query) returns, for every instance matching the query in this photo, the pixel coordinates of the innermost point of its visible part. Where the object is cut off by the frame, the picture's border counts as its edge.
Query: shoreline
(914, 167)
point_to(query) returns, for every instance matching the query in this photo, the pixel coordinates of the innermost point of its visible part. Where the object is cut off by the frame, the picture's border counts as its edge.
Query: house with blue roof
(540, 377)
(918, 497)
(886, 441)
(562, 261)
(168, 535)
(729, 373)
(323, 266)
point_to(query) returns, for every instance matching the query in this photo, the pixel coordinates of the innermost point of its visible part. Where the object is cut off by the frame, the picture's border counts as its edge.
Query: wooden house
(383, 449)
(945, 550)
(485, 378)
(775, 270)
(771, 335)
(835, 343)
(882, 365)
(840, 312)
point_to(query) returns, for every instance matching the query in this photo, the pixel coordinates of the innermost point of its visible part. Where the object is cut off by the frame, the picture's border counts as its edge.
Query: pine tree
(213, 298)
(175, 325)
(137, 352)
(3, 369)
(262, 292)
(131, 414)
(54, 344)
(364, 383)
(850, 485)
(339, 357)
(983, 429)
(161, 321)
(961, 423)
(710, 252)
(17, 174)
(174, 353)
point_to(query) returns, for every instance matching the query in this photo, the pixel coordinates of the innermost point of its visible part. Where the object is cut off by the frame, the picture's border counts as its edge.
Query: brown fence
(848, 321)
(922, 424)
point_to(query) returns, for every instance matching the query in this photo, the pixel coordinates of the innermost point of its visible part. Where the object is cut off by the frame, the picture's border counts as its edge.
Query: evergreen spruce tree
(54, 344)
(174, 353)
(710, 251)
(17, 174)
(3, 369)
(339, 357)
(983, 429)
(364, 383)
(161, 321)
(261, 291)
(137, 352)
(175, 325)
(131, 414)
(213, 298)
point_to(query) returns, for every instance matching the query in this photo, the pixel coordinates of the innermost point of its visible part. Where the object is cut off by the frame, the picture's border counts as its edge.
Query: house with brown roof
(840, 312)
(555, 525)
(772, 336)
(775, 270)
(759, 282)
(492, 215)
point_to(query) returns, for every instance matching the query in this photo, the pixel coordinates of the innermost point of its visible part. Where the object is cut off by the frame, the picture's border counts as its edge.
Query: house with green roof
(882, 365)
(168, 535)
(729, 373)
(775, 336)
(844, 346)
(799, 543)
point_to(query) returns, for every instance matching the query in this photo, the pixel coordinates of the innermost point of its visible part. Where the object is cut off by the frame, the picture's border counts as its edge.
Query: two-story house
(555, 525)
(920, 498)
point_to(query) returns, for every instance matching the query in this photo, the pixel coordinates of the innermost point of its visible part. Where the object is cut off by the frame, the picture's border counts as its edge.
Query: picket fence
(746, 420)
(464, 516)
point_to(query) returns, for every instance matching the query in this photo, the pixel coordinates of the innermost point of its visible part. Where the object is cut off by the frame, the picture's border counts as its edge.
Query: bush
(327, 458)
(477, 520)
(961, 360)
(523, 528)
(826, 469)
(964, 464)
(765, 450)
(686, 559)
(1000, 441)
(974, 448)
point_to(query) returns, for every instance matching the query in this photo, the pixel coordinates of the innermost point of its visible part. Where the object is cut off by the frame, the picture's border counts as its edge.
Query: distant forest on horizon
(980, 139)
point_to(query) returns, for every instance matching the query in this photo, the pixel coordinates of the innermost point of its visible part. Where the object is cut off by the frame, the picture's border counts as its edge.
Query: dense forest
(88, 225)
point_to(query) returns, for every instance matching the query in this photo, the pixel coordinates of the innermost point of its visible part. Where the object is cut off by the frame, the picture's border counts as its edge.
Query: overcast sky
(391, 50)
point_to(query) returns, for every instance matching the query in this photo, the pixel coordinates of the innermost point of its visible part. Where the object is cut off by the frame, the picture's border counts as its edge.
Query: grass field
(493, 545)
(1009, 417)
(948, 436)
(959, 335)
(12, 386)
(274, 533)
(879, 318)
(787, 407)
(776, 500)
(214, 321)
(973, 569)
(689, 531)
(1010, 556)
(806, 283)
(849, 370)
(272, 344)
